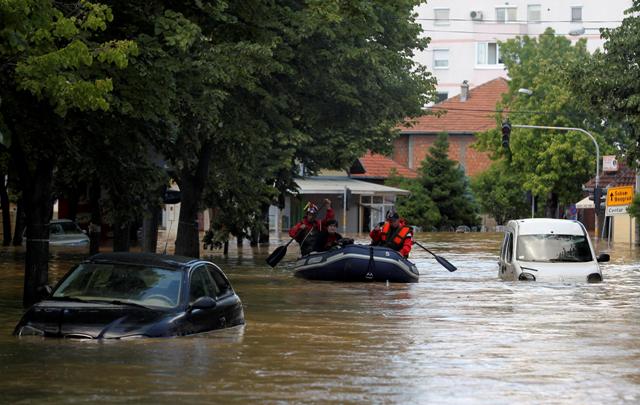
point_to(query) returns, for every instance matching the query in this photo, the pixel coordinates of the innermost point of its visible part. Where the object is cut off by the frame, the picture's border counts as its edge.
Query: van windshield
(553, 248)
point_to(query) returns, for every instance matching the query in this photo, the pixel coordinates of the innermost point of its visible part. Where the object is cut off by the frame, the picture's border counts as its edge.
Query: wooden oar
(444, 262)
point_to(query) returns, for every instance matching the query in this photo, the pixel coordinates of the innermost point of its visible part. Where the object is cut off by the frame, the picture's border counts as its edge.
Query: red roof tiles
(625, 176)
(379, 167)
(476, 114)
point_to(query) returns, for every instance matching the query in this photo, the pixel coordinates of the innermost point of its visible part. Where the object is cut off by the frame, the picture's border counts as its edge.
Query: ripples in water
(462, 337)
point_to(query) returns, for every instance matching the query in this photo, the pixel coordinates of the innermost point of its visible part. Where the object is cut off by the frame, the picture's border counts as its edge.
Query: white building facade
(465, 35)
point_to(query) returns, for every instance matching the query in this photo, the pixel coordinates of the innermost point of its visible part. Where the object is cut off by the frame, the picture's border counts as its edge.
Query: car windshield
(69, 227)
(553, 248)
(141, 285)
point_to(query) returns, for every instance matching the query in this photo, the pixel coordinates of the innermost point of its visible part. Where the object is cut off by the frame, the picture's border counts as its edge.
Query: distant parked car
(64, 232)
(463, 228)
(546, 249)
(134, 295)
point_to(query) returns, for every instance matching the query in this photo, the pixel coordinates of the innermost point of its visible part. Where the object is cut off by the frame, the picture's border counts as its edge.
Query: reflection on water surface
(462, 337)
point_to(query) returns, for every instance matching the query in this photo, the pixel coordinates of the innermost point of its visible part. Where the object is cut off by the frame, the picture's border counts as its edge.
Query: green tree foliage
(260, 87)
(50, 63)
(500, 193)
(417, 208)
(446, 184)
(550, 164)
(611, 83)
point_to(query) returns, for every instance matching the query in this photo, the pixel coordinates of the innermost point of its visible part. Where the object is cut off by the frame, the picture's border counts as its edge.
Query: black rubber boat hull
(357, 263)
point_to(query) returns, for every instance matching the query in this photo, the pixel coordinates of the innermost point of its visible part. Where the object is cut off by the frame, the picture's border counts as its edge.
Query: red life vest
(396, 241)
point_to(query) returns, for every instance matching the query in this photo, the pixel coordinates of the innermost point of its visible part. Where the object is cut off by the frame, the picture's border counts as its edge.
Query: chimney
(464, 91)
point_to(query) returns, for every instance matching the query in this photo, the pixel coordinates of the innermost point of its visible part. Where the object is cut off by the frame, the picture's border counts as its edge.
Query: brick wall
(401, 150)
(460, 150)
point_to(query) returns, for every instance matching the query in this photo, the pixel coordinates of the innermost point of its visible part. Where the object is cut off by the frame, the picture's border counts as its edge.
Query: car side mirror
(45, 291)
(203, 303)
(603, 257)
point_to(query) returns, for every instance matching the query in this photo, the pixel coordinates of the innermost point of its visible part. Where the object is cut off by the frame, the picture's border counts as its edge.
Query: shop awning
(585, 203)
(337, 185)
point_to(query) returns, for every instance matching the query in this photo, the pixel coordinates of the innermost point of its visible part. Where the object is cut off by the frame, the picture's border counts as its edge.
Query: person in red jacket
(328, 237)
(394, 234)
(306, 231)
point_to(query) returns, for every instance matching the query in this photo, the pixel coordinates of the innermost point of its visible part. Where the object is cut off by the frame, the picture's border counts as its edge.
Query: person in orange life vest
(375, 232)
(328, 237)
(306, 231)
(395, 234)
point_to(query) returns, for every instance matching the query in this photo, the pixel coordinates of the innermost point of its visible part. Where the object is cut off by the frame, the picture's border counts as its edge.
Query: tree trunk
(95, 224)
(264, 226)
(191, 183)
(74, 196)
(187, 240)
(121, 237)
(6, 212)
(551, 207)
(37, 201)
(150, 230)
(20, 223)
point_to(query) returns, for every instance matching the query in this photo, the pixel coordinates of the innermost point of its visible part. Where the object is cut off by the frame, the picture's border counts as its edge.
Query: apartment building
(466, 35)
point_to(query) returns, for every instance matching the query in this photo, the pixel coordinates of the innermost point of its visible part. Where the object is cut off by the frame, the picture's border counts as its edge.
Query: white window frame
(506, 15)
(485, 44)
(571, 14)
(435, 52)
(441, 21)
(529, 19)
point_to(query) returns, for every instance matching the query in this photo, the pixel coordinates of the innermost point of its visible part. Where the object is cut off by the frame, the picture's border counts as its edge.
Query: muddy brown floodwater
(463, 337)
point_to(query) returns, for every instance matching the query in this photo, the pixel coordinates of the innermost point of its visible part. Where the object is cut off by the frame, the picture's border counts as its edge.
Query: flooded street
(462, 337)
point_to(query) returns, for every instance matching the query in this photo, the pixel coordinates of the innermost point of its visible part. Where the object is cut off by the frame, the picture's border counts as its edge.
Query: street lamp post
(597, 157)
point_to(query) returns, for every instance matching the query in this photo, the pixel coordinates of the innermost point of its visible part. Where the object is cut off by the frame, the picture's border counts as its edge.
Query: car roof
(148, 259)
(536, 226)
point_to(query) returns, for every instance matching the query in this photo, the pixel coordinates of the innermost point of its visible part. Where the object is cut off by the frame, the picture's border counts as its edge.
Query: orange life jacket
(396, 241)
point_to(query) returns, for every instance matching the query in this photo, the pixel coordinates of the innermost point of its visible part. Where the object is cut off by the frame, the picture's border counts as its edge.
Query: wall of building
(461, 34)
(623, 229)
(460, 149)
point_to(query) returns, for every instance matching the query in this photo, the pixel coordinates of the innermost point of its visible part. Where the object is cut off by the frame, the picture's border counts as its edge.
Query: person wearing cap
(328, 237)
(306, 231)
(394, 234)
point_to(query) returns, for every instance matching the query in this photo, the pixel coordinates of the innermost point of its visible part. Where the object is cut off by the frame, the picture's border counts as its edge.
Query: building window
(440, 58)
(441, 16)
(441, 96)
(488, 54)
(534, 13)
(576, 14)
(506, 14)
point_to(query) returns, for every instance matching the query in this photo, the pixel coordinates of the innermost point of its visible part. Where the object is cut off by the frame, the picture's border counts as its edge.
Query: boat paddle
(277, 255)
(444, 262)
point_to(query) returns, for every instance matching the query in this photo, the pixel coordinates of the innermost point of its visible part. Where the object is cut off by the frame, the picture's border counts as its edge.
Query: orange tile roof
(379, 167)
(625, 176)
(477, 114)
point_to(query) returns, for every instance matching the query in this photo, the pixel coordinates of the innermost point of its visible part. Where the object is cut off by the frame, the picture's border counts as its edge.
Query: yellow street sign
(619, 195)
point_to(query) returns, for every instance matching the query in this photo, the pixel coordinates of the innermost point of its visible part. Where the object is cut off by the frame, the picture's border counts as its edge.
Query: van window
(509, 254)
(554, 248)
(503, 248)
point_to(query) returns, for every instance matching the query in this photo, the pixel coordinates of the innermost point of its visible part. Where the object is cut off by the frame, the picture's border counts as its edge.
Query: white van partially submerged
(545, 249)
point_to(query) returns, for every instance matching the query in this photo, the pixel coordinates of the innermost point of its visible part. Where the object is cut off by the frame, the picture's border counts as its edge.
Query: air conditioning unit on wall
(476, 15)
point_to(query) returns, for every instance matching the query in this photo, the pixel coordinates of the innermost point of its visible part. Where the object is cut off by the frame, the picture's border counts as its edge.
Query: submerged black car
(132, 295)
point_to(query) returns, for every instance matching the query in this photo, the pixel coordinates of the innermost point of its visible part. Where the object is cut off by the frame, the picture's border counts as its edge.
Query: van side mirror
(603, 257)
